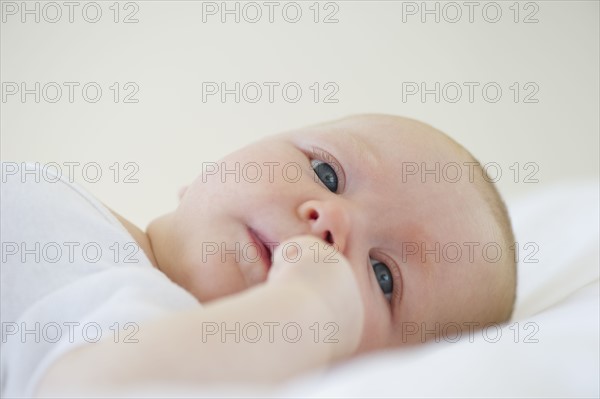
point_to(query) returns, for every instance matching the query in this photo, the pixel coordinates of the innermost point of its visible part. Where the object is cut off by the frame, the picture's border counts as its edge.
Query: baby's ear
(181, 192)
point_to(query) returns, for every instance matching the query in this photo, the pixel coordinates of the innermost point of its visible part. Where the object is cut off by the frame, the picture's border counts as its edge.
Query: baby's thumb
(327, 275)
(291, 253)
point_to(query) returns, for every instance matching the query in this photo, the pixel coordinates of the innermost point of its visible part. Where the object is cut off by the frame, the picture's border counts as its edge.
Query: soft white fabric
(563, 221)
(44, 289)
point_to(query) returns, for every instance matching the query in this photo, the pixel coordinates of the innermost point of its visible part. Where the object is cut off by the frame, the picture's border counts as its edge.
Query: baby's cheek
(374, 337)
(377, 319)
(214, 280)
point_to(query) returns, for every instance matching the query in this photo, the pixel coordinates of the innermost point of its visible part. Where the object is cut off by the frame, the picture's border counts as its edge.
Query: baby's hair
(496, 206)
(490, 194)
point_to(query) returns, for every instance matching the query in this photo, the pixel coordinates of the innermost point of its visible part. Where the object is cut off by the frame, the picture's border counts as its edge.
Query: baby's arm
(178, 348)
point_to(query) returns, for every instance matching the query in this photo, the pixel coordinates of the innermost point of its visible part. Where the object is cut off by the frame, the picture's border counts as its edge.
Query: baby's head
(423, 244)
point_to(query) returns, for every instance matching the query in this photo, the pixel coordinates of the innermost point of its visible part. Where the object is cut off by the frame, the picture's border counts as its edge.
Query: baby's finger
(304, 251)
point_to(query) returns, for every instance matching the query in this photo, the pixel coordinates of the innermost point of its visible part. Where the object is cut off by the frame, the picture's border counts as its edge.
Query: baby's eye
(326, 174)
(384, 278)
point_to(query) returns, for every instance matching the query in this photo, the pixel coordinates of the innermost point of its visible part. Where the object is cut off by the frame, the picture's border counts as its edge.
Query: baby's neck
(140, 237)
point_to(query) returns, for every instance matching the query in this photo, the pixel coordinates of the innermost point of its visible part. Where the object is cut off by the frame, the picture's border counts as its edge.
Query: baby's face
(344, 183)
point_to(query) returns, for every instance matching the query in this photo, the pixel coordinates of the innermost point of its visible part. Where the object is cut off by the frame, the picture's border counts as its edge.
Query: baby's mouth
(266, 254)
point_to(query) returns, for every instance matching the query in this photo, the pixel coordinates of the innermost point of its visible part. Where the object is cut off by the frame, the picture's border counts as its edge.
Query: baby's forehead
(390, 139)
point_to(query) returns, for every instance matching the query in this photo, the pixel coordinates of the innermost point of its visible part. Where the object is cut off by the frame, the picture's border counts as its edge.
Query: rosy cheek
(377, 318)
(374, 336)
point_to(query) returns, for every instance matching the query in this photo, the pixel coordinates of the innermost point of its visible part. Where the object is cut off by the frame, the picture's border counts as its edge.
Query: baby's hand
(326, 273)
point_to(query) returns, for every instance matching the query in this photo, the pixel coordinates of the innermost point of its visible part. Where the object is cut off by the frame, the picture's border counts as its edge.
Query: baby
(355, 192)
(343, 223)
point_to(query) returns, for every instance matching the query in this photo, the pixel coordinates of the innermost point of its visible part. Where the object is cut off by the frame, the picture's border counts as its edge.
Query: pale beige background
(369, 53)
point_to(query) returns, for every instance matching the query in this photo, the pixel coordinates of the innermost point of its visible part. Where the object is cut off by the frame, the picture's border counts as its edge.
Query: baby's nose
(327, 220)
